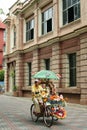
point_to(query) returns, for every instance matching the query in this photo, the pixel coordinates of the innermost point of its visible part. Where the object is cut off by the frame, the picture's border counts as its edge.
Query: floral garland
(56, 97)
(60, 113)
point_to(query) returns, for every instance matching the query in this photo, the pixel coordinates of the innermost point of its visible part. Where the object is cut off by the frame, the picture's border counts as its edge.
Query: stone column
(36, 25)
(19, 37)
(35, 63)
(83, 99)
(83, 69)
(55, 17)
(55, 60)
(19, 73)
(6, 77)
(8, 38)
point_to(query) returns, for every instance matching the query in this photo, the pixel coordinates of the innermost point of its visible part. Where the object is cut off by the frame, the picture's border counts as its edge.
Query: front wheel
(33, 113)
(47, 117)
(55, 118)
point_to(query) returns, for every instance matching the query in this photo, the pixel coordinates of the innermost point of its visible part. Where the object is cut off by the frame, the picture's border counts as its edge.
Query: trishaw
(52, 108)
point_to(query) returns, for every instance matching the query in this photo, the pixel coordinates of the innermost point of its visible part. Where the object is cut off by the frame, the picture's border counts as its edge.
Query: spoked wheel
(47, 117)
(33, 114)
(55, 118)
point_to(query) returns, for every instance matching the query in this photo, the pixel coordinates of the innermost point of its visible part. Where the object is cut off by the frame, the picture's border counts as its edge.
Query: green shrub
(14, 88)
(1, 75)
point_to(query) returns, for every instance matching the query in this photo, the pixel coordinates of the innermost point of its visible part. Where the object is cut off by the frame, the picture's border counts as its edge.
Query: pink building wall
(2, 43)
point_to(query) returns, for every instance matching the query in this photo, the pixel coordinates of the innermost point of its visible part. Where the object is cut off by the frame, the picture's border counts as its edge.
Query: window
(4, 48)
(47, 18)
(29, 67)
(71, 10)
(30, 30)
(72, 69)
(14, 35)
(4, 63)
(47, 64)
(4, 35)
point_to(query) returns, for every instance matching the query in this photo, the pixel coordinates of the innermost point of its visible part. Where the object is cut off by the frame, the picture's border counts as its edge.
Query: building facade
(2, 43)
(50, 34)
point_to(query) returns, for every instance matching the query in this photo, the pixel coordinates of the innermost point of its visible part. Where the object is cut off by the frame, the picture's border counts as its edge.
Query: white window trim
(24, 31)
(46, 21)
(39, 23)
(12, 39)
(60, 14)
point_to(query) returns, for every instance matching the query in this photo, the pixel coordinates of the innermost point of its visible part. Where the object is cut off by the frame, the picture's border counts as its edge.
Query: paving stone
(15, 115)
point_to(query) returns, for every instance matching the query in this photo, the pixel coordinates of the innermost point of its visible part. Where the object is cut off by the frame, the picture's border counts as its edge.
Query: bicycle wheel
(33, 115)
(55, 118)
(47, 117)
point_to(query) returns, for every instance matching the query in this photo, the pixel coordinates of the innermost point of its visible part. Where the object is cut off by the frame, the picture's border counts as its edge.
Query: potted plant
(15, 92)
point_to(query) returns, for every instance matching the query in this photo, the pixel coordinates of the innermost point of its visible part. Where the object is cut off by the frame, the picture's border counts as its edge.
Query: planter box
(15, 93)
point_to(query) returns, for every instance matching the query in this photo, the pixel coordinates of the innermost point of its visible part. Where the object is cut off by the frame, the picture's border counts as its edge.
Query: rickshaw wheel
(55, 118)
(33, 115)
(47, 117)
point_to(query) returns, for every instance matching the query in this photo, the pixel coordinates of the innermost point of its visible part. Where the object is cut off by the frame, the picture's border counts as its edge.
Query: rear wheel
(47, 117)
(55, 118)
(33, 113)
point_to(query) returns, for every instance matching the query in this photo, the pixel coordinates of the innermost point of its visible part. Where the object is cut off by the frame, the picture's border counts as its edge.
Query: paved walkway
(15, 115)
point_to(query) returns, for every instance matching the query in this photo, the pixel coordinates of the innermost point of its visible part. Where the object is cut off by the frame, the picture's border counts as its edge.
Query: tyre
(55, 118)
(47, 117)
(33, 114)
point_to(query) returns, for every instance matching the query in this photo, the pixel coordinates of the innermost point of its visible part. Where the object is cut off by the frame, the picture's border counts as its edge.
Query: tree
(1, 11)
(1, 75)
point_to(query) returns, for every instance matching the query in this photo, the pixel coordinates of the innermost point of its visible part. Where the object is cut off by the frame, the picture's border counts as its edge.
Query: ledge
(70, 90)
(60, 90)
(28, 88)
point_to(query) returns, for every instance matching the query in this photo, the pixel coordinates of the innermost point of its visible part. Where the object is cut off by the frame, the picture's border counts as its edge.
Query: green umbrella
(46, 74)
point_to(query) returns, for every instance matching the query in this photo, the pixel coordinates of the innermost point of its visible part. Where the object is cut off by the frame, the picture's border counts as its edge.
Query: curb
(77, 105)
(68, 104)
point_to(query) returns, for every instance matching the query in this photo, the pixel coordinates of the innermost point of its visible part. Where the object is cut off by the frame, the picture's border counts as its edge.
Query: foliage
(12, 73)
(14, 88)
(1, 75)
(1, 11)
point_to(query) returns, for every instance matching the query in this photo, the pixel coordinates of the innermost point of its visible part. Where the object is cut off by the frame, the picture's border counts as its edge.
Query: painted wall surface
(2, 42)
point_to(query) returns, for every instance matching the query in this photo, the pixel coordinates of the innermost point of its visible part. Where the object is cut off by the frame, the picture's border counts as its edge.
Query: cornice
(18, 8)
(20, 52)
(30, 48)
(26, 5)
(17, 11)
(54, 40)
(49, 42)
(7, 20)
(13, 54)
(73, 34)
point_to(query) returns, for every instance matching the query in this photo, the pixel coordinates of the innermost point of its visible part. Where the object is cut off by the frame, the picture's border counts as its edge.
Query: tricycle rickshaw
(53, 105)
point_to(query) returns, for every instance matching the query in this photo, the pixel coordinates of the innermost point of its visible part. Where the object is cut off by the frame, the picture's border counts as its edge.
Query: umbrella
(46, 74)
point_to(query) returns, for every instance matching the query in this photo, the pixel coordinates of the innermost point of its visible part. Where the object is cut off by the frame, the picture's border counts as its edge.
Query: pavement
(15, 115)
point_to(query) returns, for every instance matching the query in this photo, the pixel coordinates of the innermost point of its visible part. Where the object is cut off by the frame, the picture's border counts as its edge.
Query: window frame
(4, 37)
(46, 15)
(47, 64)
(30, 29)
(72, 69)
(14, 34)
(66, 10)
(4, 48)
(29, 73)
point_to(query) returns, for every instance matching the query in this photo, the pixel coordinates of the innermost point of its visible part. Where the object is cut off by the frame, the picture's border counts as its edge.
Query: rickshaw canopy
(46, 74)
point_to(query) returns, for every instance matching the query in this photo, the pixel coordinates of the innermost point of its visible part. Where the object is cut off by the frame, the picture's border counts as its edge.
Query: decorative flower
(59, 113)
